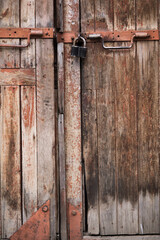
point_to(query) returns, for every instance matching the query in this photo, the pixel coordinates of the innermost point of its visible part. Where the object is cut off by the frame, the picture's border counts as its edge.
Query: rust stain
(37, 227)
(28, 111)
(4, 14)
(75, 221)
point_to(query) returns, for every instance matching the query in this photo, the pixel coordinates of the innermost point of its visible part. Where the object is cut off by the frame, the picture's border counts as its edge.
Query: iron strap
(68, 37)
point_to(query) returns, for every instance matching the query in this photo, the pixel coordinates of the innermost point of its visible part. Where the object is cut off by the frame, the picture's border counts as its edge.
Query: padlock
(74, 49)
(82, 50)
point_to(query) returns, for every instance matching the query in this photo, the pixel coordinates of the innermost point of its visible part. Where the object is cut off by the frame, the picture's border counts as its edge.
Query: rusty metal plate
(24, 32)
(37, 227)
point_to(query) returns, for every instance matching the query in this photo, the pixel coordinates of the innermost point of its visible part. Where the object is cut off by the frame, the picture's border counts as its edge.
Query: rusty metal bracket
(24, 33)
(37, 227)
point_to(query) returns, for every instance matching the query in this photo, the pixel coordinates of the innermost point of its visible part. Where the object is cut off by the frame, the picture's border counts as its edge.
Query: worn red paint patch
(37, 227)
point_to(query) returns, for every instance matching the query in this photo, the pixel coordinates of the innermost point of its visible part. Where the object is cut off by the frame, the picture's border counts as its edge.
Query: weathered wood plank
(10, 155)
(72, 125)
(73, 144)
(104, 15)
(87, 15)
(126, 124)
(10, 162)
(148, 141)
(60, 57)
(27, 21)
(61, 143)
(45, 109)
(90, 156)
(17, 77)
(9, 17)
(29, 160)
(62, 162)
(106, 141)
(149, 237)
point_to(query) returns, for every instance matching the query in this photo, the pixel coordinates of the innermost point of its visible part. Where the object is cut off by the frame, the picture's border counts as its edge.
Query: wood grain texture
(73, 144)
(71, 15)
(126, 124)
(45, 109)
(16, 77)
(148, 145)
(104, 15)
(149, 237)
(27, 21)
(9, 17)
(90, 156)
(10, 162)
(29, 159)
(61, 143)
(10, 155)
(124, 14)
(106, 141)
(28, 103)
(87, 15)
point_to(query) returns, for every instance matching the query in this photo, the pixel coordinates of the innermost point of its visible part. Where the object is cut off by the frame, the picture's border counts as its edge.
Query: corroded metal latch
(141, 35)
(24, 33)
(68, 37)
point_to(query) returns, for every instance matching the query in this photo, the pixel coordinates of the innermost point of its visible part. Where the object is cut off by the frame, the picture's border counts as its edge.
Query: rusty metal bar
(109, 36)
(68, 37)
(25, 33)
(38, 33)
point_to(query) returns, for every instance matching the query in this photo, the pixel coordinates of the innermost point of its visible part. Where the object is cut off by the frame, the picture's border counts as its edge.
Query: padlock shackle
(80, 37)
(84, 41)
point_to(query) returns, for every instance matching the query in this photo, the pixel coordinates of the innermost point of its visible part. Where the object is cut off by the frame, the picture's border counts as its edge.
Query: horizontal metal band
(23, 33)
(108, 36)
(68, 37)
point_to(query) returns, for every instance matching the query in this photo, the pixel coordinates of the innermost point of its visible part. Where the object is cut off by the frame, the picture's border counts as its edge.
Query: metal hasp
(135, 35)
(24, 33)
(37, 227)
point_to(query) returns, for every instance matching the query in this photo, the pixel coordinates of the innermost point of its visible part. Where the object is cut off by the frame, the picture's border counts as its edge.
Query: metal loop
(79, 37)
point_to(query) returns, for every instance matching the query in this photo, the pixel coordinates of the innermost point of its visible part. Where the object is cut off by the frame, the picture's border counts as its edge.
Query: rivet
(74, 213)
(45, 208)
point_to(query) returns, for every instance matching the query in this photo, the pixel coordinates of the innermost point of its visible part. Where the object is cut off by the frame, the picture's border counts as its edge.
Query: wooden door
(27, 116)
(120, 122)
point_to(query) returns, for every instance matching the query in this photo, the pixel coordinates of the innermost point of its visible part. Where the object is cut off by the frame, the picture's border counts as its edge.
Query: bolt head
(45, 208)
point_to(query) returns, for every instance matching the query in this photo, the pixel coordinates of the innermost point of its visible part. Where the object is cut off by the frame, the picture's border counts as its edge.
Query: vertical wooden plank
(72, 125)
(87, 15)
(10, 162)
(27, 21)
(104, 15)
(126, 124)
(61, 144)
(106, 140)
(105, 84)
(148, 142)
(10, 137)
(9, 17)
(45, 109)
(28, 98)
(29, 160)
(90, 156)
